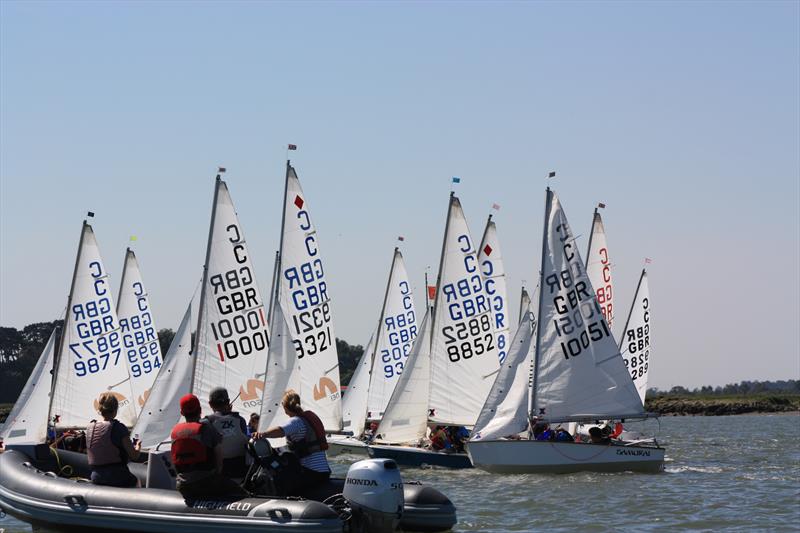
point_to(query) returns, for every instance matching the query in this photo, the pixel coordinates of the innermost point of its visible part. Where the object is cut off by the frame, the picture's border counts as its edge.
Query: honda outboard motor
(374, 490)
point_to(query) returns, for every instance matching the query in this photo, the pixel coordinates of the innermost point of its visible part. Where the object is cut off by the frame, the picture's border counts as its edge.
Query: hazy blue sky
(683, 117)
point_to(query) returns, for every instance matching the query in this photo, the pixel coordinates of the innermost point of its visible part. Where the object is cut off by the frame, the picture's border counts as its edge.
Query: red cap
(190, 405)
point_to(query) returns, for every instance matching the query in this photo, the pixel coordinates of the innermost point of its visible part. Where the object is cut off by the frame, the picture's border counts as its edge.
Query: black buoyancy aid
(188, 450)
(100, 449)
(314, 441)
(234, 440)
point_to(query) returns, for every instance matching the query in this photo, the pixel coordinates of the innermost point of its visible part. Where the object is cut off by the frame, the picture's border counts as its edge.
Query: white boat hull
(338, 445)
(527, 456)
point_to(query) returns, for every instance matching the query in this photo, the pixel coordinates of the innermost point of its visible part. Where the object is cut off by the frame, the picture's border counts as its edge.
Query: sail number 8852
(459, 345)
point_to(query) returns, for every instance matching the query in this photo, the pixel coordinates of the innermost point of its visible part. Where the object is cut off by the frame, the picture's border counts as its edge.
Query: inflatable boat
(368, 499)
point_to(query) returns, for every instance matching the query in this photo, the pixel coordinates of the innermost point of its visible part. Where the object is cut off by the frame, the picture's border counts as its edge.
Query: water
(737, 473)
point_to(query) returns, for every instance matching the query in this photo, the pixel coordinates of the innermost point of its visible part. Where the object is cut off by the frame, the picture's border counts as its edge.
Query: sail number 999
(473, 337)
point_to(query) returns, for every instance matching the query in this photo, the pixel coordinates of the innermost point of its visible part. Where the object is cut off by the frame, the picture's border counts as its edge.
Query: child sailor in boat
(109, 446)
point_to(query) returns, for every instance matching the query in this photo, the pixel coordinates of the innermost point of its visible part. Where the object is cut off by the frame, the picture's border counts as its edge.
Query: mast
(272, 291)
(547, 204)
(591, 234)
(201, 307)
(633, 304)
(122, 280)
(66, 319)
(383, 309)
(441, 263)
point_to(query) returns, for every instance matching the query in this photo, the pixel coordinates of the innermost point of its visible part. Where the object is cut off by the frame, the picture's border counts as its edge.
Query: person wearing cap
(233, 429)
(198, 458)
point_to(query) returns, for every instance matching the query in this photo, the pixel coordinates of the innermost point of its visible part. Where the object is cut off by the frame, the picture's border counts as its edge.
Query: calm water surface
(737, 473)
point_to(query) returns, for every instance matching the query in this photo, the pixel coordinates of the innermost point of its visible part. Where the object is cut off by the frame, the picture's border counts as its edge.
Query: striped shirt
(295, 431)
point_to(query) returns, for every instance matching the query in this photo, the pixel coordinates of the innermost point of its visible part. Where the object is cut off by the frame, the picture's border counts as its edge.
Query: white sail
(580, 371)
(303, 294)
(524, 304)
(396, 332)
(505, 412)
(354, 403)
(138, 330)
(282, 371)
(464, 348)
(494, 273)
(27, 422)
(406, 416)
(91, 357)
(232, 332)
(635, 341)
(598, 267)
(160, 411)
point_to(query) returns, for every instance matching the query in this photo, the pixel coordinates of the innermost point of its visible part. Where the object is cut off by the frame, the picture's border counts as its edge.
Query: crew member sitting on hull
(197, 456)
(233, 429)
(305, 436)
(109, 446)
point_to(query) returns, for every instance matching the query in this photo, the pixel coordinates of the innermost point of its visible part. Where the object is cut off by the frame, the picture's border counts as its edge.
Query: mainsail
(598, 268)
(354, 403)
(494, 273)
(138, 330)
(463, 348)
(304, 298)
(506, 409)
(635, 341)
(27, 422)
(579, 369)
(91, 358)
(406, 416)
(231, 342)
(397, 329)
(160, 411)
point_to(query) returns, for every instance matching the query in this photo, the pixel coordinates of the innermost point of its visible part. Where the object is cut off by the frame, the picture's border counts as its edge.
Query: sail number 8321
(465, 339)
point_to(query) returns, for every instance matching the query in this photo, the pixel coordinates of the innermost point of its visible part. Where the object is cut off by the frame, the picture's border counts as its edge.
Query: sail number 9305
(465, 339)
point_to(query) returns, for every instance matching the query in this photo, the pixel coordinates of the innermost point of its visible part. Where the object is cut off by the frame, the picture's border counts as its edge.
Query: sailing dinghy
(453, 361)
(579, 376)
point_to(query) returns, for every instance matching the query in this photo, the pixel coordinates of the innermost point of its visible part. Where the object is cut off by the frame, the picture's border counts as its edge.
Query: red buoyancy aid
(311, 443)
(188, 449)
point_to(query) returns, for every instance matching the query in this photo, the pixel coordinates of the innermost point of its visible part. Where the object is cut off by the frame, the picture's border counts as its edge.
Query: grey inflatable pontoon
(31, 491)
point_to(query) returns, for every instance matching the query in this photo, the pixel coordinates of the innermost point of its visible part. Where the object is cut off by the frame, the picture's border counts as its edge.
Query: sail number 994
(473, 337)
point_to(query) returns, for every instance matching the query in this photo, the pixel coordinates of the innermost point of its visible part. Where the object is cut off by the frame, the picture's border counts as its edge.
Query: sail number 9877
(465, 339)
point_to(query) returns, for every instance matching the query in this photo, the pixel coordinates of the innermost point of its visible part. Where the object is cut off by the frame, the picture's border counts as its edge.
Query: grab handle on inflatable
(76, 502)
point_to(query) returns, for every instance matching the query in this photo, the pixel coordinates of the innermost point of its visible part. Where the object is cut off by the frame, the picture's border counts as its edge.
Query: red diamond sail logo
(298, 202)
(487, 250)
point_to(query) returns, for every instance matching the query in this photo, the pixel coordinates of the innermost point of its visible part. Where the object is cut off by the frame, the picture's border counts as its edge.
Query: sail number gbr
(472, 337)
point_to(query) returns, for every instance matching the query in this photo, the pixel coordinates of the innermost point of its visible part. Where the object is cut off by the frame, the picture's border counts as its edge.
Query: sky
(682, 117)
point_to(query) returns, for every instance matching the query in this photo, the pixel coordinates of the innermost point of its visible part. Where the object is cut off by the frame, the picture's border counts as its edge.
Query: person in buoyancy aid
(305, 436)
(197, 456)
(233, 429)
(109, 447)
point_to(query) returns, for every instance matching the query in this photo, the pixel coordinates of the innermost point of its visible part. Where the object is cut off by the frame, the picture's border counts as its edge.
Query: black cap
(219, 396)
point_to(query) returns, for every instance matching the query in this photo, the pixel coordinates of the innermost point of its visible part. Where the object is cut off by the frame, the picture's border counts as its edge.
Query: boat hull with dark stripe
(413, 456)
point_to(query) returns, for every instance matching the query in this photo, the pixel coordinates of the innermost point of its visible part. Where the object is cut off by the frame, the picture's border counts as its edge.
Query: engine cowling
(374, 490)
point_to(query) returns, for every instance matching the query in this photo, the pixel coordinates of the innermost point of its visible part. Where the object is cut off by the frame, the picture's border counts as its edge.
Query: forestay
(463, 349)
(397, 329)
(505, 412)
(354, 403)
(138, 330)
(598, 267)
(406, 416)
(303, 293)
(494, 274)
(160, 411)
(91, 356)
(580, 371)
(27, 422)
(635, 341)
(232, 332)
